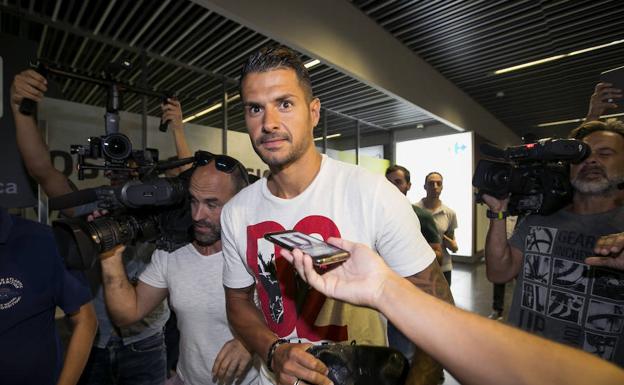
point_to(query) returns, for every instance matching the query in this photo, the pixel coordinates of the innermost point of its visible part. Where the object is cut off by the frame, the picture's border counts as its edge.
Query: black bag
(362, 364)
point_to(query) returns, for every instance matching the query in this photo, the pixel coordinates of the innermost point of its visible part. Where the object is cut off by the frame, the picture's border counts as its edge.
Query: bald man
(191, 278)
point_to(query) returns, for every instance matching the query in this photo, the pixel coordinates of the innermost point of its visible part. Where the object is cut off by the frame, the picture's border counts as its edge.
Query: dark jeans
(447, 275)
(141, 363)
(398, 341)
(498, 302)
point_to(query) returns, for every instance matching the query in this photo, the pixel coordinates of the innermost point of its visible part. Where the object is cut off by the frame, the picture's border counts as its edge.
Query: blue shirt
(33, 282)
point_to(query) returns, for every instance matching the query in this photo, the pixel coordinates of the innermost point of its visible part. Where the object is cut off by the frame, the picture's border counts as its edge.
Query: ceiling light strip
(556, 57)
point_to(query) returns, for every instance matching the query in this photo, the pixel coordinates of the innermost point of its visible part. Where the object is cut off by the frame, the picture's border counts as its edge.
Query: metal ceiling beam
(36, 18)
(341, 35)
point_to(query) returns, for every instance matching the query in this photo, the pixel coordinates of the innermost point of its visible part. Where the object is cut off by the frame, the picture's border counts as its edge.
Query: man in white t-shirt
(315, 195)
(444, 218)
(191, 278)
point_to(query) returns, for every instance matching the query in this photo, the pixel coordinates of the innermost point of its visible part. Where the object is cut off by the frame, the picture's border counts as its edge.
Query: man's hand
(602, 100)
(495, 204)
(291, 362)
(27, 84)
(172, 111)
(232, 362)
(610, 252)
(359, 280)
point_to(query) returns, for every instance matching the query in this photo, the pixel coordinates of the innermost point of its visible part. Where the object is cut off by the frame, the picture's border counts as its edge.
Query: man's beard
(601, 186)
(210, 237)
(279, 163)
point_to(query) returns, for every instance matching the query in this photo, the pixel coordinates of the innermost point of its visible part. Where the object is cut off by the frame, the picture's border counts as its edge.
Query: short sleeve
(453, 221)
(71, 287)
(428, 228)
(397, 232)
(155, 273)
(519, 234)
(235, 272)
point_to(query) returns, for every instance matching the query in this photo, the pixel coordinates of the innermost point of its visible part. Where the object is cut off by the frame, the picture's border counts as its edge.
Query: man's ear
(315, 111)
(409, 185)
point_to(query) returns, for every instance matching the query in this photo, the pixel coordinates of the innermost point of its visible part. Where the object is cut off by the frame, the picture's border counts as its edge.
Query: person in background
(444, 217)
(400, 177)
(120, 355)
(560, 292)
(33, 282)
(191, 278)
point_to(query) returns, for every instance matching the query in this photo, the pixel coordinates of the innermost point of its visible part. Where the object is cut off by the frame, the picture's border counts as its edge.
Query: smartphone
(322, 253)
(614, 76)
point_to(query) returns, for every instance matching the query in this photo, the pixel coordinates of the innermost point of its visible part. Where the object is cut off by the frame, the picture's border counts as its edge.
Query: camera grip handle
(164, 125)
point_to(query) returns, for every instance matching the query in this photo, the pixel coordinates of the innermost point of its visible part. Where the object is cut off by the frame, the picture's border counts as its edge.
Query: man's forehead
(604, 139)
(208, 178)
(396, 174)
(275, 81)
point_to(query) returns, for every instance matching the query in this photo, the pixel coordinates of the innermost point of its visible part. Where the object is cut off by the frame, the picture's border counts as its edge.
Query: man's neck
(208, 249)
(292, 180)
(432, 203)
(595, 204)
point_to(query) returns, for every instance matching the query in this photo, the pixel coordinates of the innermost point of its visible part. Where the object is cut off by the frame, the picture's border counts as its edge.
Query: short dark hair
(240, 178)
(275, 57)
(587, 128)
(431, 173)
(395, 168)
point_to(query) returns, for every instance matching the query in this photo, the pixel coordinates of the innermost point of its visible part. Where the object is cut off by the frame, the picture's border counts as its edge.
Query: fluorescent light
(328, 137)
(312, 63)
(556, 57)
(210, 109)
(530, 64)
(559, 122)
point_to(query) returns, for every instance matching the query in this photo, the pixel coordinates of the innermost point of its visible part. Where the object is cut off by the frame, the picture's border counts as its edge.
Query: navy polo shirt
(33, 281)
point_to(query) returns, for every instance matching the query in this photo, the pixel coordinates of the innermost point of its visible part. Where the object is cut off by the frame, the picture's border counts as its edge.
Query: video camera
(535, 176)
(154, 209)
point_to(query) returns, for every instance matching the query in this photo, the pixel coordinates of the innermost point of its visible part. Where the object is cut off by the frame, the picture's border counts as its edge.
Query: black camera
(116, 150)
(155, 210)
(535, 176)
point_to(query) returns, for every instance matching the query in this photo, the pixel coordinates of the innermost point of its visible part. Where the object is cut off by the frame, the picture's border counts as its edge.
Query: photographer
(474, 349)
(558, 294)
(120, 355)
(191, 277)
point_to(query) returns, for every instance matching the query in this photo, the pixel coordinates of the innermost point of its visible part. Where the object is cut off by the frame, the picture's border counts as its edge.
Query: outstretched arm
(126, 303)
(172, 111)
(34, 151)
(460, 340)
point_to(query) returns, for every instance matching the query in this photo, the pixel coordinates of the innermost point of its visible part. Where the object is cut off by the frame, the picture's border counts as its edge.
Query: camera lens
(117, 146)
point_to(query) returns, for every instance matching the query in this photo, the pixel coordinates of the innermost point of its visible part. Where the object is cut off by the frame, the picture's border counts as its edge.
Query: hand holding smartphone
(322, 253)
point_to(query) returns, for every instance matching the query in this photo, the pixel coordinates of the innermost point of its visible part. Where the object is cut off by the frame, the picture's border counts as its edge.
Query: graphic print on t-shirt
(287, 303)
(267, 274)
(540, 239)
(11, 290)
(564, 299)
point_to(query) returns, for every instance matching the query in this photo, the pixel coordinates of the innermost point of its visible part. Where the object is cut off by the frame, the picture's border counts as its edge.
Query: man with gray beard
(570, 287)
(191, 277)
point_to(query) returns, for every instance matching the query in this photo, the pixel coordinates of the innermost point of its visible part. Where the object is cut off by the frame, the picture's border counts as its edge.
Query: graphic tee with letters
(342, 201)
(560, 297)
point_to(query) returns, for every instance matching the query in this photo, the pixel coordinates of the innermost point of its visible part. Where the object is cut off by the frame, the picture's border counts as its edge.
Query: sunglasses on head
(223, 163)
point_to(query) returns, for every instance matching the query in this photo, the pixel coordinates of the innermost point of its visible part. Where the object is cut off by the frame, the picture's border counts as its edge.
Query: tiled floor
(473, 292)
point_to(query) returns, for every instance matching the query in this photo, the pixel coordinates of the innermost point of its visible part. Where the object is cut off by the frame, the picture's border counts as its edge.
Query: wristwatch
(496, 215)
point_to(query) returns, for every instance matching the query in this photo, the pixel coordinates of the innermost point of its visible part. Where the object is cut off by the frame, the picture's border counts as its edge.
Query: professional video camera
(535, 176)
(154, 209)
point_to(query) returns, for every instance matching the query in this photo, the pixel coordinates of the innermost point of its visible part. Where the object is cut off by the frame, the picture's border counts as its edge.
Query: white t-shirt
(342, 201)
(446, 222)
(197, 296)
